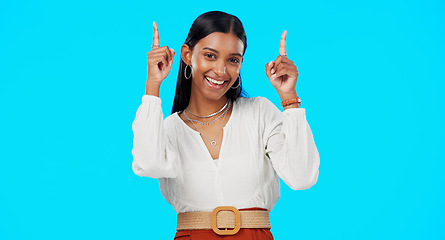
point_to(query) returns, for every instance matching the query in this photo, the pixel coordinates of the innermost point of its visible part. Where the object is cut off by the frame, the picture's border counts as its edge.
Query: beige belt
(224, 220)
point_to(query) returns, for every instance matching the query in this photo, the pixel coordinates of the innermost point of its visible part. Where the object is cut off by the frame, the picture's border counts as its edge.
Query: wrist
(294, 102)
(152, 89)
(292, 105)
(287, 95)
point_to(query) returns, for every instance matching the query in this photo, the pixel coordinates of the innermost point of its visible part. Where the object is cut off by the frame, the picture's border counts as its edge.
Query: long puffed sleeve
(290, 145)
(154, 153)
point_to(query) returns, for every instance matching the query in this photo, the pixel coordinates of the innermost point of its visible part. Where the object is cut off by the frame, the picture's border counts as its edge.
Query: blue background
(371, 79)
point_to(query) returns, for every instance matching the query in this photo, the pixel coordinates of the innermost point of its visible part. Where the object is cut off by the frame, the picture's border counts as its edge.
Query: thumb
(170, 62)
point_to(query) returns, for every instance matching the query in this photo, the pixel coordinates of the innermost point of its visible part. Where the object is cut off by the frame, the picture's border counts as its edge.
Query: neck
(205, 107)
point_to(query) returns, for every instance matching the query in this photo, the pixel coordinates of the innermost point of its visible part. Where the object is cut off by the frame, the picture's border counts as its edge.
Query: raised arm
(287, 136)
(283, 74)
(154, 152)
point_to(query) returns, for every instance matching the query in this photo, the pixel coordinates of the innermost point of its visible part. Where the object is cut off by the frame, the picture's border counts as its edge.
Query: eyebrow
(211, 49)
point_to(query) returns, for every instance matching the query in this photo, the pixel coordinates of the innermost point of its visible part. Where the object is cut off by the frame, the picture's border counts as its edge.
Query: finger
(159, 50)
(278, 71)
(269, 66)
(283, 43)
(155, 35)
(172, 56)
(286, 70)
(157, 60)
(168, 53)
(170, 63)
(277, 61)
(158, 56)
(287, 60)
(280, 67)
(163, 64)
(162, 51)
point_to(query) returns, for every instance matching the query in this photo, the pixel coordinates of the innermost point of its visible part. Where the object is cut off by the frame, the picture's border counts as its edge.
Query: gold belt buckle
(226, 231)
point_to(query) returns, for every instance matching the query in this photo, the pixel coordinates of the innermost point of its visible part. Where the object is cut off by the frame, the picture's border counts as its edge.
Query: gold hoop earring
(239, 83)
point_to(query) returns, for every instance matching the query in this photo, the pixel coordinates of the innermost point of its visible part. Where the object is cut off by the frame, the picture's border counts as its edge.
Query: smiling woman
(220, 155)
(216, 64)
(205, 27)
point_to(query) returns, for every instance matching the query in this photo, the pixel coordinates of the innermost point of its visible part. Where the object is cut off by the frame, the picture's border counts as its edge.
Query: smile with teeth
(214, 81)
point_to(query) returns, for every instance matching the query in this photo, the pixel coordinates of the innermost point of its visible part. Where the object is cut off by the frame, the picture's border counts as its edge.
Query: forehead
(222, 42)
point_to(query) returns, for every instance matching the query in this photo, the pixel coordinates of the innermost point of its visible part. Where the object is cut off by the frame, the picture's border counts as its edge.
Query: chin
(215, 96)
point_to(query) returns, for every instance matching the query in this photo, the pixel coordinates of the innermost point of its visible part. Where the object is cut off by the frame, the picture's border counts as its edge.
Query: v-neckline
(198, 134)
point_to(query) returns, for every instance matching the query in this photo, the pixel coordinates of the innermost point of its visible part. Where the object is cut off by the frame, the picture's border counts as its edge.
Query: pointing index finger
(155, 35)
(283, 44)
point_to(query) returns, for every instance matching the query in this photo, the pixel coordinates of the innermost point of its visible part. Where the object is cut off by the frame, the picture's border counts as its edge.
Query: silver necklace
(211, 122)
(211, 115)
(212, 141)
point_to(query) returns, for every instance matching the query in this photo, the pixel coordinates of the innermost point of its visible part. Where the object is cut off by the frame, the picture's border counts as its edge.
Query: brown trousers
(243, 234)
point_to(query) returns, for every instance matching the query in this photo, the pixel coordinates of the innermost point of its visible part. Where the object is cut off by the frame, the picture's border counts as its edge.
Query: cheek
(194, 63)
(237, 69)
(200, 64)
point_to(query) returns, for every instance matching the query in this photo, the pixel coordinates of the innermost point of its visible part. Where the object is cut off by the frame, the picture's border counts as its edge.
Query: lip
(214, 85)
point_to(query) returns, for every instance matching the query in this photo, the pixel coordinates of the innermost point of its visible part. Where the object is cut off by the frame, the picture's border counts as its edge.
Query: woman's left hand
(282, 73)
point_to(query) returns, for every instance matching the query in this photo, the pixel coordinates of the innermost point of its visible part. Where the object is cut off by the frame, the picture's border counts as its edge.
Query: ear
(186, 54)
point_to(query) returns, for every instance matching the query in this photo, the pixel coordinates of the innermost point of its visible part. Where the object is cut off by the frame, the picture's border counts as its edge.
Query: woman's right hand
(160, 61)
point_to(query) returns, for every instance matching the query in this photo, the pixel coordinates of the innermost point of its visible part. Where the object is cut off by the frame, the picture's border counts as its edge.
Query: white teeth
(215, 81)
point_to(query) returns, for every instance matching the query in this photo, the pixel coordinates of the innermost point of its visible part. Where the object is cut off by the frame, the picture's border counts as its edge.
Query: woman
(218, 148)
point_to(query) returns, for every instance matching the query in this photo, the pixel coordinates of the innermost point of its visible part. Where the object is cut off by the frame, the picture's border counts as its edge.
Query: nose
(220, 68)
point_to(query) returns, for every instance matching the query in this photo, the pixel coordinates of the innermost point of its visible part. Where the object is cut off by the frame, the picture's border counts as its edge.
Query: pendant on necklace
(213, 143)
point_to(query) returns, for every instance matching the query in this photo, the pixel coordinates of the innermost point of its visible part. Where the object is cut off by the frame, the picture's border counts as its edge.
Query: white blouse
(260, 143)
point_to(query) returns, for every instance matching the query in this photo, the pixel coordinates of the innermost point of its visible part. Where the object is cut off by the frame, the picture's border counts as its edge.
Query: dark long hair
(204, 25)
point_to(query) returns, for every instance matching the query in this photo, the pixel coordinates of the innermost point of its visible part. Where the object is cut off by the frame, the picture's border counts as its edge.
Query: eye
(209, 55)
(234, 60)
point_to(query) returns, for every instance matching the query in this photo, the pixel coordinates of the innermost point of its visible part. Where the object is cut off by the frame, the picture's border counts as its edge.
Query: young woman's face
(216, 64)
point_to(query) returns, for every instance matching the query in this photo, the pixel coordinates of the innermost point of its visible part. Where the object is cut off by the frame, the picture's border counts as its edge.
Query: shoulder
(171, 119)
(255, 103)
(170, 124)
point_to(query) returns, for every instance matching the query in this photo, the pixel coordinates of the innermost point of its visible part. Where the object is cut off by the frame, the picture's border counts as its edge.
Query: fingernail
(270, 63)
(274, 76)
(272, 71)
